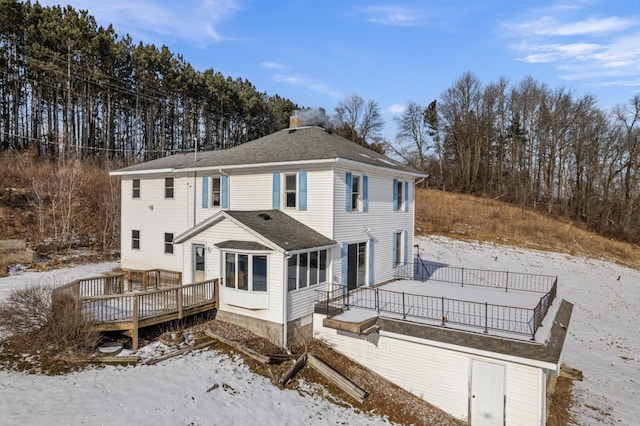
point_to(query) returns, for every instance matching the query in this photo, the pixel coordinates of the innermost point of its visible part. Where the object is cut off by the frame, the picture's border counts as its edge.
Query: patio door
(487, 394)
(198, 262)
(356, 265)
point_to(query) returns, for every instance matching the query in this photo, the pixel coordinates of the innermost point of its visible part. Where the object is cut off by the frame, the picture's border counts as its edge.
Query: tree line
(69, 85)
(542, 148)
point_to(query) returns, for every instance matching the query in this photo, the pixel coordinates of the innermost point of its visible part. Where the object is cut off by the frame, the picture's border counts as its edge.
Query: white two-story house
(275, 219)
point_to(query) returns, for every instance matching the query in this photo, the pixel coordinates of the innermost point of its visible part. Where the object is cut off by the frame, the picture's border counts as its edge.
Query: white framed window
(400, 195)
(168, 187)
(355, 193)
(135, 239)
(247, 272)
(135, 188)
(398, 244)
(306, 269)
(216, 191)
(290, 190)
(168, 242)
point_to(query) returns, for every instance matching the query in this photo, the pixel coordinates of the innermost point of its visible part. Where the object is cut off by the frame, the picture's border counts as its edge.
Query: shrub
(46, 324)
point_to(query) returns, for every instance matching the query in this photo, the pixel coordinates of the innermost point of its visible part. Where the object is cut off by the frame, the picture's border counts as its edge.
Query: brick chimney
(294, 121)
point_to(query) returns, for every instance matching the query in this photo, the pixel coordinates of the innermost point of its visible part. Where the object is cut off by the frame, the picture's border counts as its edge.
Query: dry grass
(468, 217)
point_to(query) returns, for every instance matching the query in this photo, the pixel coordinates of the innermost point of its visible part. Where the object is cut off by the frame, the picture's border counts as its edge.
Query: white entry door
(487, 394)
(198, 263)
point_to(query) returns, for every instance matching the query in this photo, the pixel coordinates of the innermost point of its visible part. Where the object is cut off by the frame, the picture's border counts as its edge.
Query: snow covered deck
(485, 304)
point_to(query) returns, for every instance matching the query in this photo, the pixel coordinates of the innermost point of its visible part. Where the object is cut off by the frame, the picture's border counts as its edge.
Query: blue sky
(318, 53)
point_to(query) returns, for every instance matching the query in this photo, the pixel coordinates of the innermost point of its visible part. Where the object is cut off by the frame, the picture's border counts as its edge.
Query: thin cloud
(593, 50)
(271, 65)
(308, 83)
(396, 109)
(395, 16)
(196, 21)
(551, 26)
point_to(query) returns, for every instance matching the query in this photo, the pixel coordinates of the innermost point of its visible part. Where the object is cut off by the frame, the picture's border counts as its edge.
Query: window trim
(169, 190)
(286, 191)
(319, 271)
(168, 244)
(135, 189)
(135, 239)
(213, 192)
(398, 245)
(250, 271)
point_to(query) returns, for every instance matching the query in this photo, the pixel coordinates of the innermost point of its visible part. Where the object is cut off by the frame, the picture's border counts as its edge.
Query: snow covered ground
(207, 388)
(604, 334)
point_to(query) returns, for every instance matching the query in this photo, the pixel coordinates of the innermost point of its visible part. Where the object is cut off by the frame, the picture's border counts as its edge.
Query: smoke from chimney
(310, 117)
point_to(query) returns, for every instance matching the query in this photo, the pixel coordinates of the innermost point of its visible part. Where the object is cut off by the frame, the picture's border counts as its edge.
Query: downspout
(284, 303)
(195, 179)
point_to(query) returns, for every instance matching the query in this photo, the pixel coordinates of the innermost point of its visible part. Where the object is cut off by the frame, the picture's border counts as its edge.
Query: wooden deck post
(179, 302)
(134, 331)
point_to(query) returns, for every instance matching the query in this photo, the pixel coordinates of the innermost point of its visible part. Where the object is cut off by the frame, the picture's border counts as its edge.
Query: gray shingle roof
(288, 145)
(281, 229)
(241, 245)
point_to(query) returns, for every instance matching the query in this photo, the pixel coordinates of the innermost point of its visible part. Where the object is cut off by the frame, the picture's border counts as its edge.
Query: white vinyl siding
(227, 230)
(151, 214)
(441, 375)
(378, 224)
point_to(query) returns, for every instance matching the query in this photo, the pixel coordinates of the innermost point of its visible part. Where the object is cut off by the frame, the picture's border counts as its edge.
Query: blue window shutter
(406, 196)
(344, 264)
(205, 192)
(395, 195)
(348, 199)
(394, 247)
(405, 249)
(365, 193)
(224, 188)
(302, 182)
(276, 191)
(371, 282)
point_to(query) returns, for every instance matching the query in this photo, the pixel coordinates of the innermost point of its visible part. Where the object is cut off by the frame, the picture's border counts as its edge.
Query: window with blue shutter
(302, 183)
(205, 192)
(406, 196)
(405, 249)
(276, 191)
(395, 195)
(225, 192)
(348, 197)
(365, 193)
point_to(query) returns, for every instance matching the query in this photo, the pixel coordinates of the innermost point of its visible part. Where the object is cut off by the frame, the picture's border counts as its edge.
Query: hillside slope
(470, 218)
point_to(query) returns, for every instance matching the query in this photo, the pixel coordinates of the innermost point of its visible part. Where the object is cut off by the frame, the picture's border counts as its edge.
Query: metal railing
(422, 271)
(486, 316)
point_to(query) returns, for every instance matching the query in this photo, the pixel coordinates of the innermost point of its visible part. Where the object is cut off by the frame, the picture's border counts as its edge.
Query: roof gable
(273, 226)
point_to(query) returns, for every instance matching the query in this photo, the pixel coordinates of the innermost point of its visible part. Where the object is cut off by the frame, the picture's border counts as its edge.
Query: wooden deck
(110, 304)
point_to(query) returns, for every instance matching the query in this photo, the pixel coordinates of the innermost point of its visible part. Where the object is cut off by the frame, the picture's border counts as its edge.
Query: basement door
(198, 263)
(487, 394)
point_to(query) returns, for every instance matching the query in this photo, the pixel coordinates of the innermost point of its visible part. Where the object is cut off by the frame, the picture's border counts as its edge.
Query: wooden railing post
(134, 331)
(179, 302)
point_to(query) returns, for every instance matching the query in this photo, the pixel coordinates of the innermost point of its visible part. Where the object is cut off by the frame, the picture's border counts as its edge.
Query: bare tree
(414, 137)
(358, 120)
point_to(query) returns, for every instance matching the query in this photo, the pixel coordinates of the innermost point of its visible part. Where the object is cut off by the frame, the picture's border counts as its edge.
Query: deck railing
(138, 306)
(422, 271)
(485, 316)
(152, 278)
